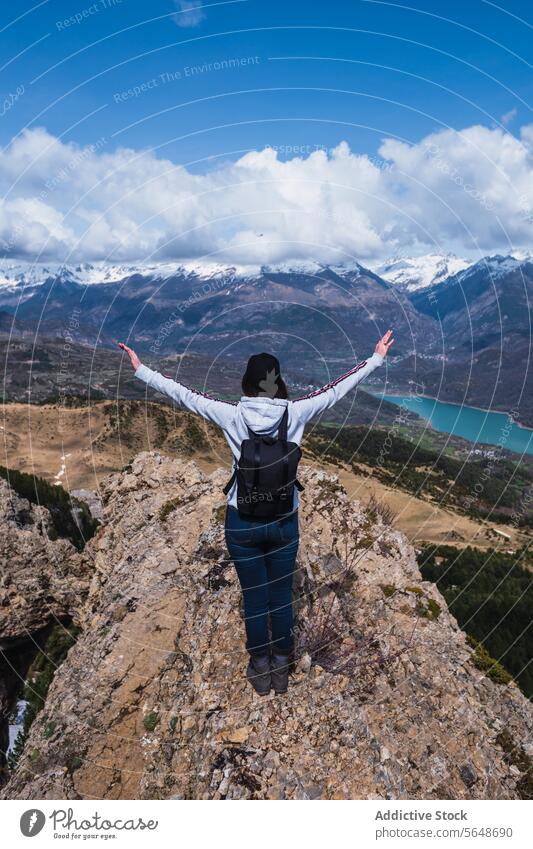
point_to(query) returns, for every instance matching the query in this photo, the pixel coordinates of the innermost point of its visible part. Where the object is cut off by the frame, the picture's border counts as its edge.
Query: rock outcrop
(41, 579)
(152, 702)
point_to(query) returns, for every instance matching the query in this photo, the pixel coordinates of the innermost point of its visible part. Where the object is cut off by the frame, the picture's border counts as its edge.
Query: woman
(263, 550)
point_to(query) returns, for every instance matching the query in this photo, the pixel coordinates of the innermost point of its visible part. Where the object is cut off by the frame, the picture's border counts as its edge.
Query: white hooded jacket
(262, 414)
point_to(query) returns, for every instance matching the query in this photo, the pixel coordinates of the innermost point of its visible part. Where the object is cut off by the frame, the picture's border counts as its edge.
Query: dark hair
(251, 390)
(263, 378)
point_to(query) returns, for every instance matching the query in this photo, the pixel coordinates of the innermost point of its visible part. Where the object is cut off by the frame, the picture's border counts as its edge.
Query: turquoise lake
(475, 425)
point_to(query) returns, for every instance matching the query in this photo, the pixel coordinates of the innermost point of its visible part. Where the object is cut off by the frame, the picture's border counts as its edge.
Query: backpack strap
(282, 429)
(257, 461)
(257, 467)
(230, 482)
(282, 436)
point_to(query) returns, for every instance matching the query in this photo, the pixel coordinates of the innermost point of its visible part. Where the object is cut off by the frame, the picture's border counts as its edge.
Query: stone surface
(152, 702)
(41, 580)
(92, 500)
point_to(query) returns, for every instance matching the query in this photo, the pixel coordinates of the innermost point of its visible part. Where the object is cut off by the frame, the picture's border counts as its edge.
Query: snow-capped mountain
(476, 318)
(410, 274)
(15, 274)
(19, 274)
(523, 256)
(419, 272)
(494, 267)
(484, 304)
(172, 303)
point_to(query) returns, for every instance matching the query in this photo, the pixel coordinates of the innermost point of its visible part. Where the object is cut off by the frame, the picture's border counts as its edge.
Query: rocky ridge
(152, 702)
(41, 579)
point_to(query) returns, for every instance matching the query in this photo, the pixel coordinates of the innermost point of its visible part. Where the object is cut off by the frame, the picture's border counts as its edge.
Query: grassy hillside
(480, 488)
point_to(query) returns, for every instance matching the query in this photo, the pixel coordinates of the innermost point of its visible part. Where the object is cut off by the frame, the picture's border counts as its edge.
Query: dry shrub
(380, 508)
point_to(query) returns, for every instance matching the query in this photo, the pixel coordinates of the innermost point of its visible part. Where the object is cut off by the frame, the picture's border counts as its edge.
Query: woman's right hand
(384, 344)
(134, 359)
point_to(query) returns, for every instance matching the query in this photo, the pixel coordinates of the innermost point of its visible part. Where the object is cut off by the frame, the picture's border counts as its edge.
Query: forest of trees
(476, 487)
(491, 596)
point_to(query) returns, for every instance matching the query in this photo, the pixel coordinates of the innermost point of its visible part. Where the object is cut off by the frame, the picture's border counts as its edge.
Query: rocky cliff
(385, 701)
(42, 579)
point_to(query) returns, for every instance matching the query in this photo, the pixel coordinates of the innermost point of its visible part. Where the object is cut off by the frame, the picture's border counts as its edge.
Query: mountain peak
(369, 713)
(412, 273)
(494, 267)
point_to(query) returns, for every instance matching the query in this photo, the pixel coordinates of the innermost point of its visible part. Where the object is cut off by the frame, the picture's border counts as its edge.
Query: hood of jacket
(263, 414)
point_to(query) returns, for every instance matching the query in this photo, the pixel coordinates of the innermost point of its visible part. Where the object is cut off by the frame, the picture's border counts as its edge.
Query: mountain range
(462, 330)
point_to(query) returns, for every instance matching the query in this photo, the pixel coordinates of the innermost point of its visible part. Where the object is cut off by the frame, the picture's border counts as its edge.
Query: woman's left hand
(384, 344)
(134, 359)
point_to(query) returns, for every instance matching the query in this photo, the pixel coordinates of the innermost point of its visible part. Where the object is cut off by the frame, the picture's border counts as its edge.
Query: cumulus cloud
(189, 14)
(466, 191)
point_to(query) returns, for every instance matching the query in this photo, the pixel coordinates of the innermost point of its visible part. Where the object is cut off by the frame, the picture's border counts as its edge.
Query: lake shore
(452, 404)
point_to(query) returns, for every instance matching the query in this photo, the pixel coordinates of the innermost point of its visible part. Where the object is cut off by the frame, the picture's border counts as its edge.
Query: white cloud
(189, 14)
(509, 116)
(469, 191)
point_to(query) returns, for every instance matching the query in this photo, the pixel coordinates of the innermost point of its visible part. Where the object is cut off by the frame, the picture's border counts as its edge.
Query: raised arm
(311, 405)
(214, 410)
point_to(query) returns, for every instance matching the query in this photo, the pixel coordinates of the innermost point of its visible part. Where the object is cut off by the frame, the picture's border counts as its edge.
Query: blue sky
(366, 67)
(202, 84)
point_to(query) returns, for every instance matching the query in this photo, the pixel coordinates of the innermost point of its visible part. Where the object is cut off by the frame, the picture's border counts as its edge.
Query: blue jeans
(264, 554)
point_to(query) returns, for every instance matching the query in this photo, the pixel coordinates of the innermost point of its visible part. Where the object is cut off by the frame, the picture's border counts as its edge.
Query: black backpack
(266, 474)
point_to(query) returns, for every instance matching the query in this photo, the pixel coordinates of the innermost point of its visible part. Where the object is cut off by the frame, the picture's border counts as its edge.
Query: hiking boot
(258, 673)
(279, 671)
